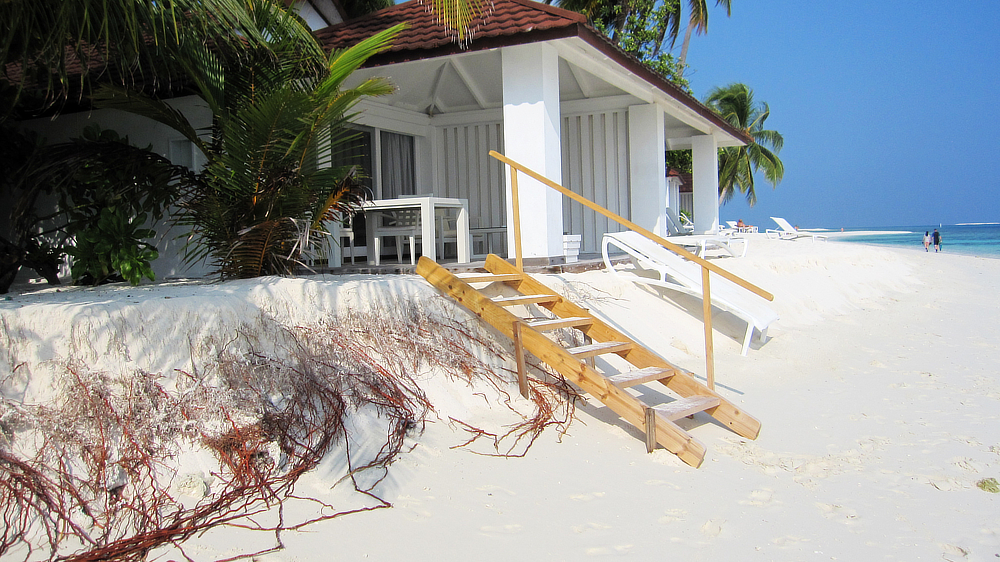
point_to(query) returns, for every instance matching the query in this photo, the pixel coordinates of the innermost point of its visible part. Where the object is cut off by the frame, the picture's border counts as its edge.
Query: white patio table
(428, 206)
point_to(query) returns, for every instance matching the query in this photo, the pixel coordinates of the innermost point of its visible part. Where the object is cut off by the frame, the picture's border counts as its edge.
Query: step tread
(599, 348)
(640, 376)
(545, 324)
(525, 299)
(686, 406)
(489, 277)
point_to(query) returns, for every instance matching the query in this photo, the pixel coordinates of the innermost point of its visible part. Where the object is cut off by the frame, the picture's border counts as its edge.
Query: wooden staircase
(576, 365)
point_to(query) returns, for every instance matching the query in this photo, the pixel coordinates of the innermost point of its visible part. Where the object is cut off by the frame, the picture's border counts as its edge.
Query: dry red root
(88, 476)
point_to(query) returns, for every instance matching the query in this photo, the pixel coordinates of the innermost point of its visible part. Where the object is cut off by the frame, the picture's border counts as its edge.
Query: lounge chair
(745, 229)
(703, 242)
(678, 274)
(676, 225)
(786, 231)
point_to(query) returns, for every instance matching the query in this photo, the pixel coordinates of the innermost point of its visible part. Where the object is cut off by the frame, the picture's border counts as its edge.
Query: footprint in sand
(713, 527)
(491, 489)
(501, 529)
(590, 527)
(587, 497)
(946, 484)
(760, 497)
(788, 540)
(968, 464)
(607, 550)
(838, 512)
(953, 553)
(673, 516)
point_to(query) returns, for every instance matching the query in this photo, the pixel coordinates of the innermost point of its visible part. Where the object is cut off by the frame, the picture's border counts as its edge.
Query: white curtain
(398, 169)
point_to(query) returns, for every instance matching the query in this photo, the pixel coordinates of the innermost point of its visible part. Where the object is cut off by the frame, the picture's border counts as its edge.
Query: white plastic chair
(400, 224)
(786, 231)
(678, 274)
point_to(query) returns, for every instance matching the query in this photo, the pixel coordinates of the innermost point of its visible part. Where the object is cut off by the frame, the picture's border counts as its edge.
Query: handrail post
(518, 260)
(706, 307)
(522, 371)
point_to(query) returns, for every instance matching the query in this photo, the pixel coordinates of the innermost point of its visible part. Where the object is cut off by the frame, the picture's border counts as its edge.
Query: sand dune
(877, 391)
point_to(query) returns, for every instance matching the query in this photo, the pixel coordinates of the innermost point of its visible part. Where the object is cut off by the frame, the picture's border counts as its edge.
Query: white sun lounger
(703, 242)
(786, 231)
(678, 274)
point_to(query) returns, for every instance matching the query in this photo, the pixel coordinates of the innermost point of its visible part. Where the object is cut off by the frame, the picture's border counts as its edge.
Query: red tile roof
(507, 18)
(511, 22)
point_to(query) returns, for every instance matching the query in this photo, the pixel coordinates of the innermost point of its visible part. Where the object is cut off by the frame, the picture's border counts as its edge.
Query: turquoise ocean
(975, 239)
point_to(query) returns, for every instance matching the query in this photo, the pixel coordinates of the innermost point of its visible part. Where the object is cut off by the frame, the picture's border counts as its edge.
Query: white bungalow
(537, 84)
(541, 86)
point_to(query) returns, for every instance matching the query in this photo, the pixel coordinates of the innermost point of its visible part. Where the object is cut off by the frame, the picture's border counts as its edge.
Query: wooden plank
(522, 370)
(526, 299)
(516, 216)
(650, 430)
(682, 383)
(686, 406)
(550, 324)
(641, 376)
(490, 277)
(706, 307)
(599, 348)
(668, 434)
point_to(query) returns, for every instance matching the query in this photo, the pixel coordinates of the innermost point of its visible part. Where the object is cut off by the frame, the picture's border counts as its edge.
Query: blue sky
(889, 111)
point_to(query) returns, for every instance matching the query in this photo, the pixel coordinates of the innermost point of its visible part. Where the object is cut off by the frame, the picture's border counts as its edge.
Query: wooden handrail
(705, 264)
(632, 226)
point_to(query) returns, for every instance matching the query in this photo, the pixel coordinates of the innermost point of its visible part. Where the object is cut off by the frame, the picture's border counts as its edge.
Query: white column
(705, 169)
(647, 167)
(531, 120)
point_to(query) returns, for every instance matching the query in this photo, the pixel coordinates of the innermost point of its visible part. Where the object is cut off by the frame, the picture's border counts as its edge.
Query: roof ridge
(556, 11)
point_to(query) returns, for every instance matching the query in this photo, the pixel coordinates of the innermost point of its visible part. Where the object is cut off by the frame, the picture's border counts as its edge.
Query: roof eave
(637, 67)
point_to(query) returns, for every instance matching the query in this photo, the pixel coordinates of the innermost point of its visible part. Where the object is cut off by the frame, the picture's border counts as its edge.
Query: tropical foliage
(649, 29)
(640, 28)
(737, 165)
(697, 22)
(277, 111)
(104, 190)
(59, 44)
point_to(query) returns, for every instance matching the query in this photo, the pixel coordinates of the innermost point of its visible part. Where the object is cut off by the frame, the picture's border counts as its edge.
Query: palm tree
(274, 112)
(55, 44)
(698, 21)
(737, 165)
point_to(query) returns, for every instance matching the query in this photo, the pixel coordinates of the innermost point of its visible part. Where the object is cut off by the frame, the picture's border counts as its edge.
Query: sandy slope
(877, 391)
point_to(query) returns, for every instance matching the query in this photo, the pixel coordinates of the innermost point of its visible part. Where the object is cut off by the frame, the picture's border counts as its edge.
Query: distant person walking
(927, 240)
(937, 240)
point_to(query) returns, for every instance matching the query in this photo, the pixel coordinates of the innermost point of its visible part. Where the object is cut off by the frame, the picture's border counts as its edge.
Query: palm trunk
(684, 45)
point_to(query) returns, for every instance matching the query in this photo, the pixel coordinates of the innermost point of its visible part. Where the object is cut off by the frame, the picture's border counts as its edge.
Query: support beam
(705, 168)
(531, 127)
(647, 167)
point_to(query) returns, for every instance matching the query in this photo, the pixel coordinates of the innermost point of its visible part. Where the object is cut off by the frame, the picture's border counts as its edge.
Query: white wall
(532, 121)
(595, 165)
(141, 132)
(467, 171)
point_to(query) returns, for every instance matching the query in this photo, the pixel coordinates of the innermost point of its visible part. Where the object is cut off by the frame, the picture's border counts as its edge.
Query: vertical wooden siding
(595, 165)
(467, 171)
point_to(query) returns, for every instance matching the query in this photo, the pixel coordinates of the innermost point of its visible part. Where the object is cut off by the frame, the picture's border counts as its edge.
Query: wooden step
(641, 376)
(490, 277)
(686, 406)
(599, 348)
(547, 324)
(526, 299)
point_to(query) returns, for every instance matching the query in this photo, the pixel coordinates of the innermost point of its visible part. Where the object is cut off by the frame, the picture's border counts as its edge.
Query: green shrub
(113, 247)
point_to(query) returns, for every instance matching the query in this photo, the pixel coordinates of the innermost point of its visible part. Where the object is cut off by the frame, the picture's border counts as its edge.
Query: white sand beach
(877, 391)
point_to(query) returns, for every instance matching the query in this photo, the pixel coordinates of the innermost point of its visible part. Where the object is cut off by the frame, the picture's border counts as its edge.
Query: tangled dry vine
(94, 475)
